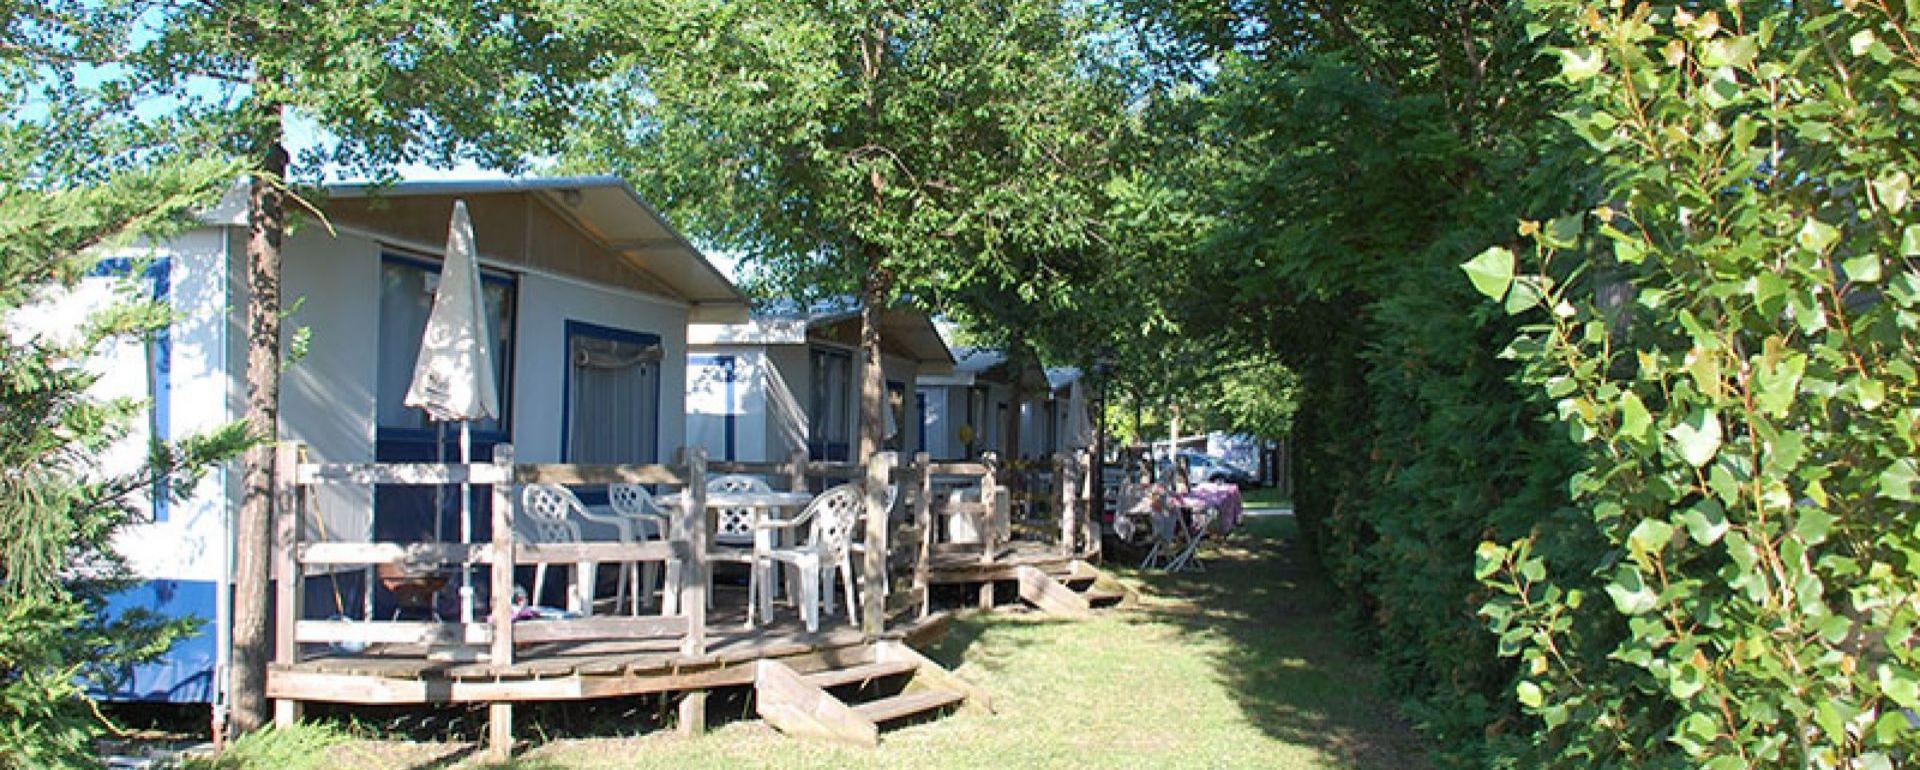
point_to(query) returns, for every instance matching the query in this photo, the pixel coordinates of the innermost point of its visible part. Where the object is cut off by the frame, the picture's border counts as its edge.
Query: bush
(1730, 335)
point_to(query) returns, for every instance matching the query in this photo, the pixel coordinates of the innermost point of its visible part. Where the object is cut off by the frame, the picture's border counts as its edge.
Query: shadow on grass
(1287, 662)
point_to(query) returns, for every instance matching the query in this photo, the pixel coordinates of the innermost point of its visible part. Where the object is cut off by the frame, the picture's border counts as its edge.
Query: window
(406, 299)
(714, 404)
(136, 368)
(831, 409)
(403, 433)
(927, 419)
(613, 395)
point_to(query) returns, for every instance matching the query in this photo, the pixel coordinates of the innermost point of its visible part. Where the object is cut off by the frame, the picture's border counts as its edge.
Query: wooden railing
(685, 614)
(498, 633)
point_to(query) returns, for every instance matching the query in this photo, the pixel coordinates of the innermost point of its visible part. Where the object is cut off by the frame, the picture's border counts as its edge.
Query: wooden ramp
(1074, 592)
(850, 701)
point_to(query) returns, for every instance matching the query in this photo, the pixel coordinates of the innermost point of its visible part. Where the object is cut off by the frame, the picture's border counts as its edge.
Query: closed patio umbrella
(453, 377)
(1079, 418)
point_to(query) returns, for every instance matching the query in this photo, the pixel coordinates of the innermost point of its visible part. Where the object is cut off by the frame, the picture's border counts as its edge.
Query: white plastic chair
(831, 518)
(735, 525)
(859, 545)
(733, 528)
(547, 515)
(635, 505)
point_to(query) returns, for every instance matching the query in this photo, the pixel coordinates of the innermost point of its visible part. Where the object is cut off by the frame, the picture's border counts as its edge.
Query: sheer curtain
(615, 400)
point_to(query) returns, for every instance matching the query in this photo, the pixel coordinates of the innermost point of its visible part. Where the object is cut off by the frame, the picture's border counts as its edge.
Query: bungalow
(967, 411)
(758, 390)
(590, 293)
(1047, 420)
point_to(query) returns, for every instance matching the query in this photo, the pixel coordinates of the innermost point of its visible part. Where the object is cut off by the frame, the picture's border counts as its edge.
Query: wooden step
(1077, 582)
(1103, 596)
(865, 672)
(907, 704)
(1042, 590)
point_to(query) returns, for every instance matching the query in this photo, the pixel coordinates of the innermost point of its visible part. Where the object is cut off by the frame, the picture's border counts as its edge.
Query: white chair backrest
(632, 500)
(547, 514)
(834, 513)
(636, 503)
(735, 524)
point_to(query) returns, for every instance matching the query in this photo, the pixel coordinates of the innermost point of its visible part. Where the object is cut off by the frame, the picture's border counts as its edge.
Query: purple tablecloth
(1224, 498)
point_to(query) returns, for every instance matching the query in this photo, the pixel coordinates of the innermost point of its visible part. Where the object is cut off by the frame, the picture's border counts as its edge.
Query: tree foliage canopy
(953, 147)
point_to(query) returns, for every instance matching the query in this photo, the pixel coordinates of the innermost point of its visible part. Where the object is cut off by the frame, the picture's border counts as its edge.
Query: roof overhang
(904, 332)
(604, 208)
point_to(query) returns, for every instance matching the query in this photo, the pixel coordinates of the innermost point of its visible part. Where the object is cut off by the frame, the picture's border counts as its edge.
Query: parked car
(1208, 468)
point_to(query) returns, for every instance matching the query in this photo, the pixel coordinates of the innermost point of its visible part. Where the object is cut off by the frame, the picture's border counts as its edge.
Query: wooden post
(1091, 478)
(797, 473)
(1067, 478)
(288, 609)
(692, 532)
(990, 493)
(923, 518)
(873, 577)
(500, 597)
(693, 713)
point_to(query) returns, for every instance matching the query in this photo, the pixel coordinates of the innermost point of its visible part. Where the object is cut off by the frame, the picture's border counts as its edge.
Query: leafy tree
(1325, 167)
(930, 149)
(382, 82)
(59, 510)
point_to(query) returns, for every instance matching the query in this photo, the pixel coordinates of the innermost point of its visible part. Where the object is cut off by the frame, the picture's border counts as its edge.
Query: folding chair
(1166, 532)
(1195, 533)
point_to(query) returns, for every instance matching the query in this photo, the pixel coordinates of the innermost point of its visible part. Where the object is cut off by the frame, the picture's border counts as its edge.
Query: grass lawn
(1240, 666)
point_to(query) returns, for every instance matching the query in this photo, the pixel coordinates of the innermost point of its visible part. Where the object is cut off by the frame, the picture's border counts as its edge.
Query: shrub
(1730, 335)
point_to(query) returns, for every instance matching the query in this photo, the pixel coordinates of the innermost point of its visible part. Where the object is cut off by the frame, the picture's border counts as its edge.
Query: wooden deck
(411, 674)
(952, 564)
(688, 649)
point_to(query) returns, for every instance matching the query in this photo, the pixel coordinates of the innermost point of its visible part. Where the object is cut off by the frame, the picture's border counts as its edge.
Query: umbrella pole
(439, 490)
(466, 526)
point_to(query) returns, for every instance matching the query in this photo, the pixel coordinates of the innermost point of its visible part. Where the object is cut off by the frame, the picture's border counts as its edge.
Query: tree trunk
(266, 224)
(873, 383)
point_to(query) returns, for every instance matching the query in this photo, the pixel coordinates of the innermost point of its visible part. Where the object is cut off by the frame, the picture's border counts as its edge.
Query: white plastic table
(763, 505)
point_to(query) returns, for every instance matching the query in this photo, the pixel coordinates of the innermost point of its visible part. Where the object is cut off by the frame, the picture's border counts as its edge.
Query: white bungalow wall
(332, 291)
(773, 392)
(546, 305)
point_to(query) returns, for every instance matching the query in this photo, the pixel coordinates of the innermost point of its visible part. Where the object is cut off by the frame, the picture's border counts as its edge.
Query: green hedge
(1730, 338)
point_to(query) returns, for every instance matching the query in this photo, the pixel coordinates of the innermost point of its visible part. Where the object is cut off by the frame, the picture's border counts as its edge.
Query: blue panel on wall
(185, 673)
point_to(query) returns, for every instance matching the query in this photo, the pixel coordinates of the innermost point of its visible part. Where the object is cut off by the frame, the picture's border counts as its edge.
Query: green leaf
(1697, 437)
(1487, 559)
(1564, 232)
(1816, 235)
(1686, 681)
(1864, 268)
(1630, 593)
(1649, 537)
(1910, 241)
(1899, 684)
(1526, 294)
(1897, 481)
(1893, 190)
(1529, 694)
(1696, 733)
(1812, 525)
(1491, 271)
(1737, 51)
(1577, 64)
(1706, 522)
(1634, 419)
